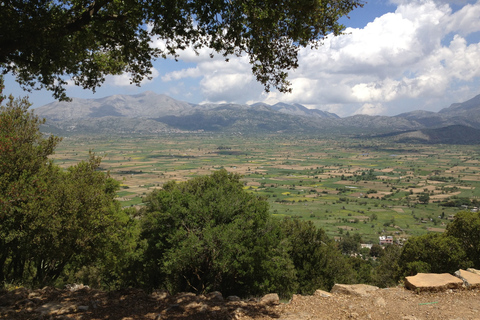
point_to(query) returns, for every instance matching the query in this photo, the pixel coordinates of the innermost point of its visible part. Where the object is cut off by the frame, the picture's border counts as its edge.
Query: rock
(56, 308)
(233, 298)
(75, 287)
(323, 294)
(215, 296)
(185, 297)
(380, 302)
(174, 308)
(433, 282)
(238, 313)
(160, 294)
(353, 289)
(470, 280)
(473, 271)
(196, 307)
(82, 308)
(270, 299)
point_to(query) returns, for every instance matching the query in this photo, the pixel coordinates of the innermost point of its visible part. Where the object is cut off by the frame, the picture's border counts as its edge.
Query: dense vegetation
(42, 42)
(209, 233)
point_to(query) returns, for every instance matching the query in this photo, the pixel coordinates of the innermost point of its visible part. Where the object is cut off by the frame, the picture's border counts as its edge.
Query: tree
(44, 41)
(209, 234)
(433, 252)
(51, 219)
(350, 244)
(376, 250)
(24, 165)
(424, 197)
(466, 228)
(386, 273)
(318, 262)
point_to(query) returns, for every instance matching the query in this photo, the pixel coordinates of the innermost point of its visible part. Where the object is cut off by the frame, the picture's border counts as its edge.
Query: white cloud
(371, 109)
(123, 80)
(184, 73)
(417, 54)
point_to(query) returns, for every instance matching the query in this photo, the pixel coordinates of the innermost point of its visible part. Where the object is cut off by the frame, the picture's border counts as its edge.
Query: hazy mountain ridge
(149, 112)
(297, 110)
(144, 105)
(455, 134)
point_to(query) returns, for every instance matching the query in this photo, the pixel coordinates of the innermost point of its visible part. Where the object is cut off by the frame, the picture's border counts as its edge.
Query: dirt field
(383, 304)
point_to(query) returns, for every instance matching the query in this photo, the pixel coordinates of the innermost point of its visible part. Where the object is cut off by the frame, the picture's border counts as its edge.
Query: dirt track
(384, 304)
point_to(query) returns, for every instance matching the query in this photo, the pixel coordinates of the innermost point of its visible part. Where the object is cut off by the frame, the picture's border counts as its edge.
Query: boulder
(270, 299)
(470, 280)
(433, 282)
(354, 289)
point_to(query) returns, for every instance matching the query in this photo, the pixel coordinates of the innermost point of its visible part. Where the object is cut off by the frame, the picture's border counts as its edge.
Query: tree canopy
(209, 234)
(50, 219)
(43, 43)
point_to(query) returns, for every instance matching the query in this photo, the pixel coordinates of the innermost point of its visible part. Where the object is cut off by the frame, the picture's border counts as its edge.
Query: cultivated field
(369, 187)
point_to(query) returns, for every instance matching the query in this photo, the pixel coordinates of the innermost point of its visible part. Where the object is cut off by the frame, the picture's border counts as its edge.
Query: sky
(396, 56)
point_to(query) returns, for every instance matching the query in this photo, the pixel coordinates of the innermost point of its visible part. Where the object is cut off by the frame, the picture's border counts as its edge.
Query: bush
(208, 234)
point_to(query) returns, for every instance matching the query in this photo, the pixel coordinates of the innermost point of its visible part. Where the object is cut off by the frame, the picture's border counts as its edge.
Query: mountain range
(149, 113)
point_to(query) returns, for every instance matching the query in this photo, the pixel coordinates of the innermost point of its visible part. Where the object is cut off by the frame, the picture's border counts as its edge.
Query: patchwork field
(369, 187)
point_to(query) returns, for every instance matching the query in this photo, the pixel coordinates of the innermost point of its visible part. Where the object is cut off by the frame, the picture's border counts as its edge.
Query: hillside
(455, 134)
(148, 113)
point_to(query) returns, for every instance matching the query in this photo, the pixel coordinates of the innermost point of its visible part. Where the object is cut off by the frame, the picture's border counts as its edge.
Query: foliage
(433, 252)
(424, 197)
(361, 269)
(318, 262)
(209, 234)
(44, 41)
(350, 244)
(50, 219)
(386, 273)
(457, 202)
(24, 168)
(466, 228)
(376, 250)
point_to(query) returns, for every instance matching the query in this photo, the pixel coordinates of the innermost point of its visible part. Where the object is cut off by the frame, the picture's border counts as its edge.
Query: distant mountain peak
(463, 107)
(152, 112)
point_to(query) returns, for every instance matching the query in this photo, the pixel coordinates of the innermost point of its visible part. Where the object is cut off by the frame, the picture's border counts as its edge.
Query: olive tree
(51, 219)
(209, 234)
(44, 41)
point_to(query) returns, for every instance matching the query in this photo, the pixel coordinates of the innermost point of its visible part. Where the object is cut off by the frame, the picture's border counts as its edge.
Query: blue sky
(396, 56)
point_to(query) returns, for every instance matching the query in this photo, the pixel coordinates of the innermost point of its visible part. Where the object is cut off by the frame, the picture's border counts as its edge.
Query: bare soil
(384, 304)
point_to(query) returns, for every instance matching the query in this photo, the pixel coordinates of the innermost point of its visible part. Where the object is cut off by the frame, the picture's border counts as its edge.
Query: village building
(384, 240)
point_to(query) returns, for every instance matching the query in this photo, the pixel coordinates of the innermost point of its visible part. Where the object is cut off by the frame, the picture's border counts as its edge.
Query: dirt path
(383, 304)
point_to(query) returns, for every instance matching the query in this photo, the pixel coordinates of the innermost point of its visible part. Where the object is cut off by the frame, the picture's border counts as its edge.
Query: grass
(301, 177)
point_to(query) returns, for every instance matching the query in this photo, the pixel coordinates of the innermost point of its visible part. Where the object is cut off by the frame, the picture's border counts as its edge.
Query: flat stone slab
(433, 282)
(353, 289)
(471, 280)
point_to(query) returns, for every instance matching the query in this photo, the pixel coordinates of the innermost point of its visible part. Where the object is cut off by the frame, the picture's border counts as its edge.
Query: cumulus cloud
(415, 55)
(123, 80)
(371, 109)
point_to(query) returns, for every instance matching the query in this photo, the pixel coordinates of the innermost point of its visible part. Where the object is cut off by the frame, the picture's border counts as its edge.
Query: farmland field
(343, 185)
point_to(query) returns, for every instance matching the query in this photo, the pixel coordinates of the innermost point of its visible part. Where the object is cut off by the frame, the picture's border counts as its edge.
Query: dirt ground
(384, 304)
